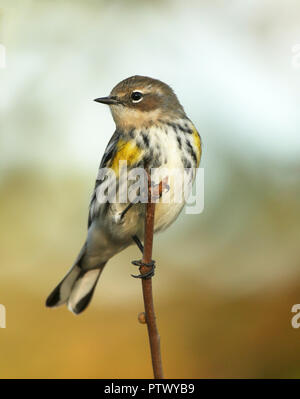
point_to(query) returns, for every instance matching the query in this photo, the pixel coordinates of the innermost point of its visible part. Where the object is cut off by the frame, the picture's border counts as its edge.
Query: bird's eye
(136, 96)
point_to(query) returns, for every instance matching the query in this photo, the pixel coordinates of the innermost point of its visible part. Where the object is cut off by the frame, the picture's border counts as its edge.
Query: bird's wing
(118, 149)
(110, 150)
(108, 155)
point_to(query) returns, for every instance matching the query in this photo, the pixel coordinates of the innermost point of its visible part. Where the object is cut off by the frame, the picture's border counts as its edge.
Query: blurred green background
(227, 278)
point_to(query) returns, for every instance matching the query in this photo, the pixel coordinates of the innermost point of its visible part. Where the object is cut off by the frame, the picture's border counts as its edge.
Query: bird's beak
(107, 100)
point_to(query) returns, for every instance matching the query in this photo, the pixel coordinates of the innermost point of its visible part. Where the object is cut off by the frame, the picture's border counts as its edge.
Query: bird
(152, 131)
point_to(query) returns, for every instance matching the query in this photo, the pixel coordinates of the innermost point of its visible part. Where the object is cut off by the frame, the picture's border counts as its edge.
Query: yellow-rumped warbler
(152, 131)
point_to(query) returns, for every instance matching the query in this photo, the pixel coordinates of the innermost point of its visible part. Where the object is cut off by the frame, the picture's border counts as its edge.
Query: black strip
(191, 151)
(145, 139)
(179, 142)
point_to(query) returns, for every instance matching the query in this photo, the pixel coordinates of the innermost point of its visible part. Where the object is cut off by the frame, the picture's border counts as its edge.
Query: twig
(150, 319)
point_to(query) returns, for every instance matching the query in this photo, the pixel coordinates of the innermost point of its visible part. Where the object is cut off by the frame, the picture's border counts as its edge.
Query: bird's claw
(146, 275)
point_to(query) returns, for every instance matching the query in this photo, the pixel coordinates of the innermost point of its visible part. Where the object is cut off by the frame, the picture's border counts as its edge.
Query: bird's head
(139, 101)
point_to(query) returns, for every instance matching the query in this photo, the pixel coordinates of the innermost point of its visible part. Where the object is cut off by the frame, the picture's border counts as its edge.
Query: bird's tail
(76, 289)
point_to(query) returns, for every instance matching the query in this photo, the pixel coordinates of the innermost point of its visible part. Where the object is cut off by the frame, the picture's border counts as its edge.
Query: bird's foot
(148, 274)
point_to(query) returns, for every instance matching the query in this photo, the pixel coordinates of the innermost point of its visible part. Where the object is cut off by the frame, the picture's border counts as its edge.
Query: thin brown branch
(153, 334)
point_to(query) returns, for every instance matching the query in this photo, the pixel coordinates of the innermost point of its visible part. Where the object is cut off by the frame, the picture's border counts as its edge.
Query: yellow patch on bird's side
(197, 140)
(126, 151)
